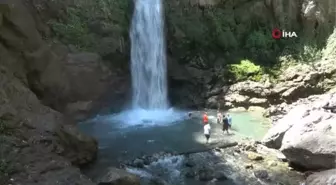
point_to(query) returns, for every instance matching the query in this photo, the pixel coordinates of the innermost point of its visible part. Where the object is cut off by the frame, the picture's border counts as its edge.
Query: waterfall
(150, 104)
(148, 57)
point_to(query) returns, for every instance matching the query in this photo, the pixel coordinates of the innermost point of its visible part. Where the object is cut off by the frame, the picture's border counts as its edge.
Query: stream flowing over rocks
(247, 163)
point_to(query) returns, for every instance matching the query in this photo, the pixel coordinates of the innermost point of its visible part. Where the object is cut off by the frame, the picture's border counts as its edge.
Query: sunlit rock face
(306, 134)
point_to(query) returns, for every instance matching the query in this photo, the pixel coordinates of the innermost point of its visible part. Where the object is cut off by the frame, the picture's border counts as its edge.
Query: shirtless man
(219, 117)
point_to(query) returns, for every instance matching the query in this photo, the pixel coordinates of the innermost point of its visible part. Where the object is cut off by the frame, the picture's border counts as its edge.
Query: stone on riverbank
(274, 136)
(116, 176)
(261, 174)
(306, 135)
(312, 146)
(254, 156)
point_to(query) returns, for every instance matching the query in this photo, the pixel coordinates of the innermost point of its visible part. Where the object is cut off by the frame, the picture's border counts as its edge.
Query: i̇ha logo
(278, 34)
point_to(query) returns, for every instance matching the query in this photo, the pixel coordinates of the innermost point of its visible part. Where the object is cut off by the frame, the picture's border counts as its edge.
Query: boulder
(115, 176)
(312, 143)
(274, 136)
(306, 135)
(189, 173)
(327, 177)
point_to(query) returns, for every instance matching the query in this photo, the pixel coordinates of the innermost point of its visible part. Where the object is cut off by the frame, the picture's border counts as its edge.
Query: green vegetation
(93, 25)
(74, 30)
(237, 30)
(227, 32)
(330, 49)
(246, 70)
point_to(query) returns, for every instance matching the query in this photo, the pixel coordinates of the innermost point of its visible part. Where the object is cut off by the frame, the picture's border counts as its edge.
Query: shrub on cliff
(73, 30)
(246, 70)
(90, 24)
(330, 49)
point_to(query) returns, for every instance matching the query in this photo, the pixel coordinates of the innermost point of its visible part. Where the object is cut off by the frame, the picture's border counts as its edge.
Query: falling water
(150, 104)
(148, 57)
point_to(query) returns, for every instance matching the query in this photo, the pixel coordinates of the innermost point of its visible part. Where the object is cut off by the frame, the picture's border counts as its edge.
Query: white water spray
(148, 58)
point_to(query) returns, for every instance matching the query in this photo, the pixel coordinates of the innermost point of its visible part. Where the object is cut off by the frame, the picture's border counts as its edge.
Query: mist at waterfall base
(150, 104)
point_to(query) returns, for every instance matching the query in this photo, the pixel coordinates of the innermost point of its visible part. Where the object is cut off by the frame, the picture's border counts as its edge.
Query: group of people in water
(224, 119)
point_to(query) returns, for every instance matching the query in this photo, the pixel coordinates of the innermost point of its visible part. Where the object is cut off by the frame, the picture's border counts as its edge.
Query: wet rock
(254, 156)
(189, 163)
(139, 163)
(189, 173)
(116, 176)
(205, 174)
(220, 176)
(156, 181)
(174, 160)
(147, 160)
(261, 174)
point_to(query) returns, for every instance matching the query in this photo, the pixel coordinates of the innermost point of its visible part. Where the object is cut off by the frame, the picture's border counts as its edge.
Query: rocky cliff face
(296, 82)
(305, 134)
(206, 36)
(37, 80)
(41, 78)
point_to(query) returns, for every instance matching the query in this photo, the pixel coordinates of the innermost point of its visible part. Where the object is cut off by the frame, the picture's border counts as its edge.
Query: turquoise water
(117, 144)
(250, 125)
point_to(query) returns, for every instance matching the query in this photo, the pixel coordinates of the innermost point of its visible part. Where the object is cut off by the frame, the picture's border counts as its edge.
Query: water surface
(117, 144)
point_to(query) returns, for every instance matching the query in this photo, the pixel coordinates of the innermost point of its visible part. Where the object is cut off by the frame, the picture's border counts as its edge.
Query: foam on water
(139, 172)
(146, 118)
(168, 169)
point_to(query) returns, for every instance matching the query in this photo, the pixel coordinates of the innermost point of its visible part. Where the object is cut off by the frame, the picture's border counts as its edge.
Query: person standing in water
(219, 117)
(207, 128)
(205, 118)
(226, 124)
(229, 119)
